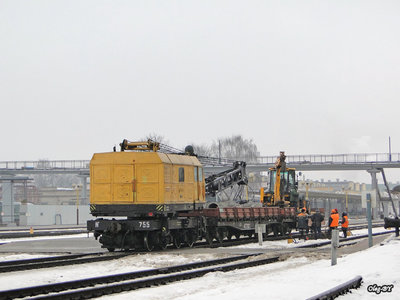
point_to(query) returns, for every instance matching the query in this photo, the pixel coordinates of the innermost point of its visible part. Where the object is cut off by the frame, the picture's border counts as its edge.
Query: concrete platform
(51, 246)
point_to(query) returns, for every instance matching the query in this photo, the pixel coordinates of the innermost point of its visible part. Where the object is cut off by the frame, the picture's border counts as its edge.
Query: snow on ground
(295, 278)
(74, 272)
(8, 257)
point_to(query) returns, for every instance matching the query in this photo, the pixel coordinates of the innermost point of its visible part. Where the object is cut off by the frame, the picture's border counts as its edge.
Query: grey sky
(76, 77)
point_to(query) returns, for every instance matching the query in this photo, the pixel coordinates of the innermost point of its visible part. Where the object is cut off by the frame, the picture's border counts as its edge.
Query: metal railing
(354, 158)
(45, 165)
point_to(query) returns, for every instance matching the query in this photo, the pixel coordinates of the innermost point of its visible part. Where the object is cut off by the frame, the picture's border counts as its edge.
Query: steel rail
(341, 289)
(248, 240)
(351, 238)
(109, 279)
(132, 285)
(49, 262)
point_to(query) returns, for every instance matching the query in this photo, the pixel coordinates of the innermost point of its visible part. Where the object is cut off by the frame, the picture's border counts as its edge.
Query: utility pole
(219, 151)
(77, 188)
(369, 220)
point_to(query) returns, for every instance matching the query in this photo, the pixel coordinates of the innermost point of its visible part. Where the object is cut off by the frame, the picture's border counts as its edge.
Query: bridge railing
(45, 164)
(354, 158)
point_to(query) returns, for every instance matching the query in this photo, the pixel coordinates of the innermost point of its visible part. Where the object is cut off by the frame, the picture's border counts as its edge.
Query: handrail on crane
(140, 146)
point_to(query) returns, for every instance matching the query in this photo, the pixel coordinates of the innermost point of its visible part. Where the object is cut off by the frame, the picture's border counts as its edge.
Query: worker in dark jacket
(345, 224)
(317, 220)
(302, 223)
(333, 221)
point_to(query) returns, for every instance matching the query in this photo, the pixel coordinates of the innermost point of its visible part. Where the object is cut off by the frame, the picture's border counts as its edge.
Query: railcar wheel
(220, 235)
(209, 238)
(229, 235)
(163, 244)
(275, 230)
(190, 238)
(177, 241)
(162, 241)
(111, 249)
(148, 245)
(287, 229)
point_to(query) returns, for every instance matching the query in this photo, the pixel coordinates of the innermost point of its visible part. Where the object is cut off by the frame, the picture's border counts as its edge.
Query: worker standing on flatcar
(302, 223)
(333, 221)
(345, 224)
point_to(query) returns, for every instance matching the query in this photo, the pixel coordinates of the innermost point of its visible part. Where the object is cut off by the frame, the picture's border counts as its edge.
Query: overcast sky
(307, 77)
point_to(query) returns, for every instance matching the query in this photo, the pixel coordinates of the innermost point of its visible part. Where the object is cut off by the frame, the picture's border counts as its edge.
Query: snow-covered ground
(298, 277)
(74, 272)
(295, 278)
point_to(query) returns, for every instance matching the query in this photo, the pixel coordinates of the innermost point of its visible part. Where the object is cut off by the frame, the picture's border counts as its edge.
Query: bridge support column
(328, 208)
(8, 215)
(8, 202)
(374, 185)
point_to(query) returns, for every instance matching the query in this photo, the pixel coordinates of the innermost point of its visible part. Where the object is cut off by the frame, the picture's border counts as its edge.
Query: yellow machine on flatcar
(149, 180)
(282, 187)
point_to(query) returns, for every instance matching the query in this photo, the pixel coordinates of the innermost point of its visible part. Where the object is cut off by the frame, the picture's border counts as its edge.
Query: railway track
(341, 289)
(243, 241)
(58, 231)
(56, 261)
(104, 285)
(110, 284)
(351, 238)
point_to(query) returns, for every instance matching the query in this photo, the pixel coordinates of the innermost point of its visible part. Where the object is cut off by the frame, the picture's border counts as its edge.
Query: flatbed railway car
(143, 198)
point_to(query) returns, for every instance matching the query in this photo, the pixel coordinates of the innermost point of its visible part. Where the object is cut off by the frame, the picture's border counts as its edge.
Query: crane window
(200, 174)
(196, 169)
(181, 174)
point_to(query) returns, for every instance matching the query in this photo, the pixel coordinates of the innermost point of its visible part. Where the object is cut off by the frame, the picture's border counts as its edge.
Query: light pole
(346, 191)
(306, 204)
(77, 188)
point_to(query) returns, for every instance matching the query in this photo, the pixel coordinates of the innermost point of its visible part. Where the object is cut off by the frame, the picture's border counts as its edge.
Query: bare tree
(55, 180)
(203, 149)
(156, 138)
(236, 148)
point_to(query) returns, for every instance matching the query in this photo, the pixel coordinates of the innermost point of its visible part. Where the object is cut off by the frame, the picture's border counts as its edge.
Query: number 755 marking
(144, 224)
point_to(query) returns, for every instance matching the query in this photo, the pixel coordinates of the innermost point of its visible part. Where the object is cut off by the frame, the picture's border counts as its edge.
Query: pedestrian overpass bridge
(311, 162)
(371, 162)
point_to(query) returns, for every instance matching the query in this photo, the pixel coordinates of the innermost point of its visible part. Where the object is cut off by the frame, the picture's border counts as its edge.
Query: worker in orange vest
(333, 221)
(345, 224)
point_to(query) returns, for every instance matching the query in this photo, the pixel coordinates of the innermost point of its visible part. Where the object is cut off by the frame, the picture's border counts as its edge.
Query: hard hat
(333, 211)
